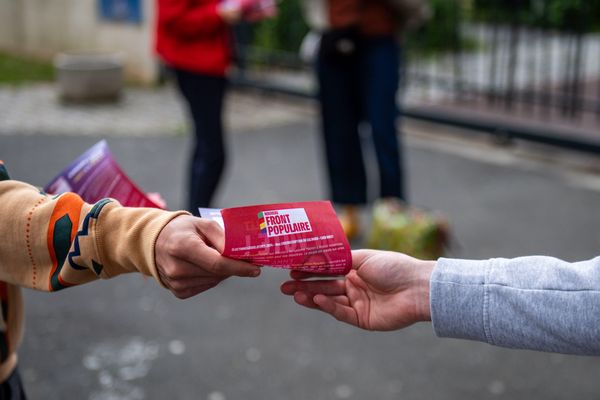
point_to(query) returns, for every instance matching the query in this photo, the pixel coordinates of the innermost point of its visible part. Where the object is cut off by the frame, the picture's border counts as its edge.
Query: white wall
(41, 28)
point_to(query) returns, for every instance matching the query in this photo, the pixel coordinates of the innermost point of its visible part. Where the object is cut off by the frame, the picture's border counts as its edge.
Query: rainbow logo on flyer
(262, 224)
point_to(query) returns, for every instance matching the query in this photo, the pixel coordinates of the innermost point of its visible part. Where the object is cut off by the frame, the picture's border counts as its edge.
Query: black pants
(354, 90)
(12, 388)
(204, 95)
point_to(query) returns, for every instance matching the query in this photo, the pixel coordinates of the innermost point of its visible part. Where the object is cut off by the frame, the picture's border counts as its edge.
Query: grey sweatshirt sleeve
(538, 303)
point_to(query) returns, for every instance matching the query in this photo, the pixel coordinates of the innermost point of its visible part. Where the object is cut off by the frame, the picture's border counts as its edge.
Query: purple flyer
(96, 175)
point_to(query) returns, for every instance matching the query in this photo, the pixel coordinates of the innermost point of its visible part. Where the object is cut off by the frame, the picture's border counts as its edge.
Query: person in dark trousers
(358, 71)
(193, 39)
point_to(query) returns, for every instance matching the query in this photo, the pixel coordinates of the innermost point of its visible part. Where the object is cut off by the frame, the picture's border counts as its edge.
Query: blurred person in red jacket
(193, 39)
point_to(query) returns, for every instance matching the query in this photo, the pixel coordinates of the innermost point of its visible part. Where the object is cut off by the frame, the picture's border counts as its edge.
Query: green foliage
(17, 70)
(569, 15)
(285, 32)
(441, 33)
(572, 14)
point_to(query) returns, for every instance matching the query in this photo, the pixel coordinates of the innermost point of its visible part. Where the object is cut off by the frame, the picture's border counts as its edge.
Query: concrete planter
(89, 77)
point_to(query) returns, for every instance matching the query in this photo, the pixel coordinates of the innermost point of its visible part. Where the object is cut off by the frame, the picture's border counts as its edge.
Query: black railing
(519, 74)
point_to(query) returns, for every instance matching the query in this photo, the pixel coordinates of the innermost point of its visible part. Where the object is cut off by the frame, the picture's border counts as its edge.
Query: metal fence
(509, 73)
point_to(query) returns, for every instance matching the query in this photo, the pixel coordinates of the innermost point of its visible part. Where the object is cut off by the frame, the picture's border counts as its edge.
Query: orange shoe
(350, 220)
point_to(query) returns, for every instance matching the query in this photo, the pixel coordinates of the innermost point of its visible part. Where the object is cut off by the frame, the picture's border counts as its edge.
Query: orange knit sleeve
(50, 243)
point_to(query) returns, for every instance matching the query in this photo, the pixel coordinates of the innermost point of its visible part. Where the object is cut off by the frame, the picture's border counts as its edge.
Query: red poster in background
(305, 236)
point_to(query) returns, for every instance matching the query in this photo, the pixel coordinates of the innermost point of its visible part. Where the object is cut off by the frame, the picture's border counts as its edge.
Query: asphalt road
(129, 339)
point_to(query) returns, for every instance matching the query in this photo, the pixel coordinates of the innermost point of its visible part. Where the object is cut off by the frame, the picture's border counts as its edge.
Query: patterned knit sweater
(51, 243)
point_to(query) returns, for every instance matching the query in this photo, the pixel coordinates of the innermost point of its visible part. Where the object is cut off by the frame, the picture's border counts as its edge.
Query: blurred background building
(41, 29)
(520, 68)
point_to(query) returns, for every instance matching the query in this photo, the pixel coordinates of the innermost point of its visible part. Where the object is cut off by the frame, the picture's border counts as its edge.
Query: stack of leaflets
(96, 175)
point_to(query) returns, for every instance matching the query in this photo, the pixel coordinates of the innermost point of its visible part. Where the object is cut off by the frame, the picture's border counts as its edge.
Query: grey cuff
(458, 299)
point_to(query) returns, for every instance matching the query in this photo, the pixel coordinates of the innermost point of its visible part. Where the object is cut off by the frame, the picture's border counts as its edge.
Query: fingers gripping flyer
(304, 236)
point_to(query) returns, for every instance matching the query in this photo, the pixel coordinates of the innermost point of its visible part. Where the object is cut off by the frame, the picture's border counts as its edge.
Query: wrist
(422, 292)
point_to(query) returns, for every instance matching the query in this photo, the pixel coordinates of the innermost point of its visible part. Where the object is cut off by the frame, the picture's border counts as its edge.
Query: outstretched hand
(188, 257)
(384, 291)
(230, 11)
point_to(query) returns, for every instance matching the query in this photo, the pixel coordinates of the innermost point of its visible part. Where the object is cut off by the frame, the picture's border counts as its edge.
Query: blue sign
(129, 11)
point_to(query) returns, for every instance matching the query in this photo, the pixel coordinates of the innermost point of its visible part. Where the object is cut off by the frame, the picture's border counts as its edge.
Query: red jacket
(191, 35)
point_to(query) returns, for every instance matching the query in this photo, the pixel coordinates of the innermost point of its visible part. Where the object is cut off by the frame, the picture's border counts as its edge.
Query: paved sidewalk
(128, 339)
(160, 111)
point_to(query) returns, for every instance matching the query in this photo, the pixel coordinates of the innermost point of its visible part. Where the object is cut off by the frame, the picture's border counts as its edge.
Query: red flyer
(305, 236)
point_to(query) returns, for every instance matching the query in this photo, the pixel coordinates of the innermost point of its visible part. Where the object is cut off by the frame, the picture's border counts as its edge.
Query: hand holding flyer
(305, 236)
(253, 10)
